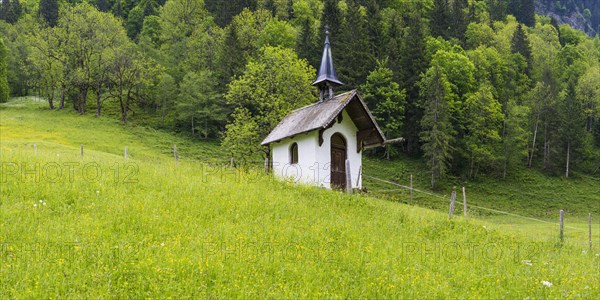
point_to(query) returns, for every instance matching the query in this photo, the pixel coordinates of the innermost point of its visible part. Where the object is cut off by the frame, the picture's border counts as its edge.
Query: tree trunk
(50, 98)
(205, 128)
(62, 96)
(98, 100)
(546, 146)
(162, 117)
(535, 132)
(193, 130)
(82, 100)
(568, 158)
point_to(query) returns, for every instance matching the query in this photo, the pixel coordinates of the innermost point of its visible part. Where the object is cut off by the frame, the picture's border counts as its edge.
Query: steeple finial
(326, 77)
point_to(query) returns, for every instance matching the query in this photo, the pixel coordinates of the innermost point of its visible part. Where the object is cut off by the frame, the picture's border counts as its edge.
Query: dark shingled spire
(326, 77)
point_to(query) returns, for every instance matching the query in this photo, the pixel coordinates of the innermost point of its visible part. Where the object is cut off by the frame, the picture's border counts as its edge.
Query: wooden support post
(125, 153)
(452, 203)
(175, 153)
(34, 148)
(411, 189)
(590, 229)
(359, 176)
(562, 225)
(464, 202)
(348, 178)
(81, 150)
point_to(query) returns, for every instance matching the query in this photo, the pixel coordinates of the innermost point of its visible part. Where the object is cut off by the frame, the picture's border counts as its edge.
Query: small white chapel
(321, 144)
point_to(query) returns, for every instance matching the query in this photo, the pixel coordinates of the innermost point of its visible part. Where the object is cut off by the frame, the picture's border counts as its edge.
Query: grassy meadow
(147, 227)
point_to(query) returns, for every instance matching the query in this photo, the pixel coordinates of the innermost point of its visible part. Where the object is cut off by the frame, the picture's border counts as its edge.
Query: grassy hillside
(150, 227)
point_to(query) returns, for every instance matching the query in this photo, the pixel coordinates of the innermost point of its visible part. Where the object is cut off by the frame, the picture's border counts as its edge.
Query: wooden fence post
(348, 178)
(452, 203)
(81, 150)
(590, 229)
(125, 153)
(34, 148)
(175, 153)
(464, 202)
(266, 165)
(562, 225)
(231, 163)
(411, 189)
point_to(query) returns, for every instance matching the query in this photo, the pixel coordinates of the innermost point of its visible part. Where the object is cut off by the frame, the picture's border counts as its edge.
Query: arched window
(294, 153)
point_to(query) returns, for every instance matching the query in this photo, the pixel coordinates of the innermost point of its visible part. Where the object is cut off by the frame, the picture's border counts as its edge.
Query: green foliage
(199, 104)
(10, 11)
(484, 119)
(387, 102)
(150, 227)
(242, 137)
(272, 85)
(49, 12)
(437, 132)
(277, 33)
(4, 90)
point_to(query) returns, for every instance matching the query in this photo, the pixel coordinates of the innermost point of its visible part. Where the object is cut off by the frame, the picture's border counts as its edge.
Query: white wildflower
(34, 205)
(41, 201)
(527, 262)
(44, 203)
(162, 244)
(547, 283)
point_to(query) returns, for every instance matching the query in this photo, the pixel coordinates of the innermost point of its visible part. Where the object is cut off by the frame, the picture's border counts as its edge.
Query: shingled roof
(321, 115)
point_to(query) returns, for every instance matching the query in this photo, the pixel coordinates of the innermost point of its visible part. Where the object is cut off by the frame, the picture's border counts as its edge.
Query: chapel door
(338, 162)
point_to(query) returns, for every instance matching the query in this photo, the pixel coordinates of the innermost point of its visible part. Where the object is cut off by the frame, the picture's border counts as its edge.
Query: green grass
(159, 229)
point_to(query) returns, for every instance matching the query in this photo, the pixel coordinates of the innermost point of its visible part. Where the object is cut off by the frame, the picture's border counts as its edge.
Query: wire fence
(580, 236)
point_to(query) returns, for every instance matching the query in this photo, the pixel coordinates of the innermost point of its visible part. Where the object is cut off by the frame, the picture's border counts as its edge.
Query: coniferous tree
(412, 64)
(353, 48)
(374, 29)
(527, 13)
(437, 133)
(48, 10)
(459, 20)
(439, 19)
(224, 11)
(332, 17)
(10, 11)
(306, 47)
(520, 44)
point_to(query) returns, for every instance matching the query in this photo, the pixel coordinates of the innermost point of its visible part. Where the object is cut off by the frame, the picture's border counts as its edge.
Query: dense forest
(474, 86)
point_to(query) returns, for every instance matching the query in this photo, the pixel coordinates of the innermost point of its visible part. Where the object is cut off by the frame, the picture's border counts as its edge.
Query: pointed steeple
(326, 77)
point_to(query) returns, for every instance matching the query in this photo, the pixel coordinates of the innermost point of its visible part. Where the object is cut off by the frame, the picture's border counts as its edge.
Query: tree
(588, 94)
(278, 33)
(352, 50)
(387, 101)
(166, 93)
(10, 11)
(440, 19)
(130, 74)
(242, 136)
(412, 64)
(48, 11)
(483, 115)
(4, 91)
(272, 85)
(224, 11)
(520, 44)
(200, 104)
(332, 17)
(437, 132)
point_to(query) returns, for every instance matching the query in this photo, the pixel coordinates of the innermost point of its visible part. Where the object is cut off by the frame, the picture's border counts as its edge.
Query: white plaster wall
(313, 166)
